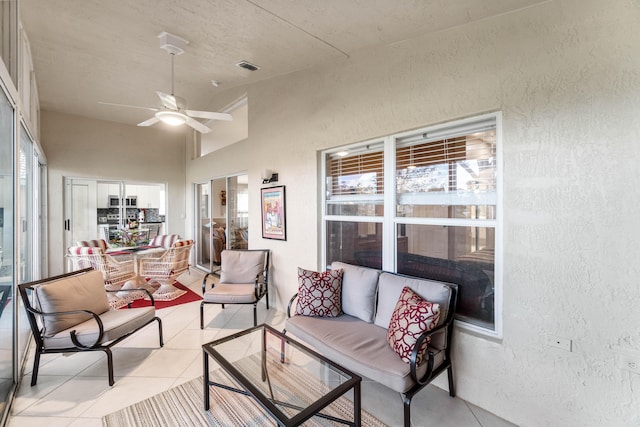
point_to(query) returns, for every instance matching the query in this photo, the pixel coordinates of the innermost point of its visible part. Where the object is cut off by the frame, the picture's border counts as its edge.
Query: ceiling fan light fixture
(173, 118)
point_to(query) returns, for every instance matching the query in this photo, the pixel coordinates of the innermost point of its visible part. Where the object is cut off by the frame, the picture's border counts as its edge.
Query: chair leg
(36, 366)
(266, 295)
(110, 365)
(255, 314)
(406, 401)
(202, 315)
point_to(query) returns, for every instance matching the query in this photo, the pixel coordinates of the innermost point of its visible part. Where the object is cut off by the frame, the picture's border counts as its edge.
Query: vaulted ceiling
(91, 51)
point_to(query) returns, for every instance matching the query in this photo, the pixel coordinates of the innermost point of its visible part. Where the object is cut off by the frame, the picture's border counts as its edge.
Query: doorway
(222, 218)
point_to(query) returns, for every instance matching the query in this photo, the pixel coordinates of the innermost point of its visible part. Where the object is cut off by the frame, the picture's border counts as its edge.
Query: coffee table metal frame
(269, 404)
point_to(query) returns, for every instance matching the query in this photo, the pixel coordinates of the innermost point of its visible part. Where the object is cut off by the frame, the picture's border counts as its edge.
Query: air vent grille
(247, 66)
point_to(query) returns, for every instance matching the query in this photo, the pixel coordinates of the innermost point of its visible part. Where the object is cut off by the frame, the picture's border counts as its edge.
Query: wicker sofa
(357, 338)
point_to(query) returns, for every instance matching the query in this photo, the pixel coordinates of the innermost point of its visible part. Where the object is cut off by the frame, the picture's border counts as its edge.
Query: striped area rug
(183, 405)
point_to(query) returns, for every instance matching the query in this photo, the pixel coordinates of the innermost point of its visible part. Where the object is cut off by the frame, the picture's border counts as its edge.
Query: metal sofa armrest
(429, 359)
(74, 340)
(293, 298)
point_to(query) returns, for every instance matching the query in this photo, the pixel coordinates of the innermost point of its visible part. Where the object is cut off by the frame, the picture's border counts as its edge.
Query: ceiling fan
(173, 109)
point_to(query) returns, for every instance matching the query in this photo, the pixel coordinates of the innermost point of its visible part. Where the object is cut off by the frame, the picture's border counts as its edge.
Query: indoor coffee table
(291, 382)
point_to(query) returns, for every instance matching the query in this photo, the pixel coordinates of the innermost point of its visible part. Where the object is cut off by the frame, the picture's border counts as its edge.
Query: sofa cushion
(116, 323)
(319, 294)
(411, 318)
(390, 286)
(358, 346)
(80, 292)
(359, 287)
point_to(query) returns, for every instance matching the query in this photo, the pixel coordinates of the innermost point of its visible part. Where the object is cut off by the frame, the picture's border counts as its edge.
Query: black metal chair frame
(32, 314)
(260, 279)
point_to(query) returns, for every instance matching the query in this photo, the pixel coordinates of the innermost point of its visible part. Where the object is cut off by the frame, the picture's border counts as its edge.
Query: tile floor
(73, 390)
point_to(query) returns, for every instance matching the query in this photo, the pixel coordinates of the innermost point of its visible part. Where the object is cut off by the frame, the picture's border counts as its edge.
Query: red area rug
(190, 296)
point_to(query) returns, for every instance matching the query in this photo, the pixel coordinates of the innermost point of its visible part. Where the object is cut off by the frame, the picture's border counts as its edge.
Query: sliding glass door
(222, 212)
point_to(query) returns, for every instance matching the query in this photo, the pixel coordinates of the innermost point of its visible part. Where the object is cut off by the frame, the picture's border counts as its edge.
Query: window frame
(390, 220)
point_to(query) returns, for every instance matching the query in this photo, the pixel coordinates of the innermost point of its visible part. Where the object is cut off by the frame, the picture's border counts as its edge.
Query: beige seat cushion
(116, 323)
(239, 293)
(80, 292)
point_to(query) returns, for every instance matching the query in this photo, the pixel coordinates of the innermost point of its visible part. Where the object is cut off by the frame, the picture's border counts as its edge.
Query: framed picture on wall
(273, 213)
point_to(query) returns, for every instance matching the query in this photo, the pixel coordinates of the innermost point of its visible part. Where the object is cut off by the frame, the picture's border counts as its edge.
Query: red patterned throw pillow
(411, 317)
(319, 294)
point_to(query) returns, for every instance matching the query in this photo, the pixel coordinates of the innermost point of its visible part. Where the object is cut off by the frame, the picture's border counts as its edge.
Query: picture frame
(273, 207)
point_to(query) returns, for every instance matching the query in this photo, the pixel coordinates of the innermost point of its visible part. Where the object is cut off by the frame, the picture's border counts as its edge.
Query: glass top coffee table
(291, 382)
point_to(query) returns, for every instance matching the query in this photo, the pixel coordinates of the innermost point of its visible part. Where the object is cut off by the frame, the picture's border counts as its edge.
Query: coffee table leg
(205, 375)
(356, 405)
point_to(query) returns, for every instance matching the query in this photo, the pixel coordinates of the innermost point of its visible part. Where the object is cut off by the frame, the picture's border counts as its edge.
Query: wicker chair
(166, 268)
(115, 273)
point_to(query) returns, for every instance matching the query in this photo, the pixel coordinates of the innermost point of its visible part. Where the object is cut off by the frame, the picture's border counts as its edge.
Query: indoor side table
(291, 382)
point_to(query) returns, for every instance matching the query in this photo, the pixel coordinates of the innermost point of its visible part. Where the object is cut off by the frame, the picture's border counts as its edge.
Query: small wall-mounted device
(268, 176)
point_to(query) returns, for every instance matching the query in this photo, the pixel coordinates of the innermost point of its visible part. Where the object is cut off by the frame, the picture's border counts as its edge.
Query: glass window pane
(445, 178)
(460, 255)
(355, 182)
(355, 243)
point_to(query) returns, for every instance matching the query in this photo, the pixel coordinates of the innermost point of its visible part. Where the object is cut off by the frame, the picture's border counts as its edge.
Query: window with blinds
(355, 182)
(447, 177)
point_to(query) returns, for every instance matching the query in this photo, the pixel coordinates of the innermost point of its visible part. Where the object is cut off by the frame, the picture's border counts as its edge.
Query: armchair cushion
(359, 287)
(319, 294)
(241, 266)
(68, 294)
(411, 318)
(237, 293)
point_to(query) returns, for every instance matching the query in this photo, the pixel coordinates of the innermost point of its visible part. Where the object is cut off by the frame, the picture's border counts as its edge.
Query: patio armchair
(70, 313)
(165, 269)
(243, 278)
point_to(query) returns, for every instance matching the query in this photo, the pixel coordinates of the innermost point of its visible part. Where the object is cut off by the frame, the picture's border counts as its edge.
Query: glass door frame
(232, 226)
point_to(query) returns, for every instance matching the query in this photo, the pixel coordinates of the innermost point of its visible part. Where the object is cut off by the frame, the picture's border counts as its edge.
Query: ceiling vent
(247, 66)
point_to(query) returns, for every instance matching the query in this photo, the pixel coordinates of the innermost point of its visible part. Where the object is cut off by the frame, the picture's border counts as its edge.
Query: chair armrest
(204, 280)
(430, 359)
(74, 340)
(293, 298)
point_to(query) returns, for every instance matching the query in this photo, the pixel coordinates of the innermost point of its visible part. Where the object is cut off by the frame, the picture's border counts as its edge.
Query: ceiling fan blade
(149, 122)
(169, 101)
(128, 106)
(197, 125)
(209, 115)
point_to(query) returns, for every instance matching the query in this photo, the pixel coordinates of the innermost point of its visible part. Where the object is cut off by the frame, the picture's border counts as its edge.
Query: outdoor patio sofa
(357, 337)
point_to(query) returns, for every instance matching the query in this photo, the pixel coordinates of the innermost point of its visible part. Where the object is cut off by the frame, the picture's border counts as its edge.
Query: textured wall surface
(566, 75)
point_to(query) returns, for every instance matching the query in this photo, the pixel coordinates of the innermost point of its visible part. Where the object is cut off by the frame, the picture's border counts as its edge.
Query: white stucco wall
(77, 147)
(566, 75)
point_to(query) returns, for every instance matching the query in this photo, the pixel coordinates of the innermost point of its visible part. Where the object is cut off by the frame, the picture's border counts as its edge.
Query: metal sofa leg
(452, 387)
(406, 401)
(36, 366)
(110, 366)
(160, 331)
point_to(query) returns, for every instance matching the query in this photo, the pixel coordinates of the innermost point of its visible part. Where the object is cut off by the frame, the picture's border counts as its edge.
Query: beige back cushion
(241, 266)
(359, 286)
(390, 287)
(80, 292)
